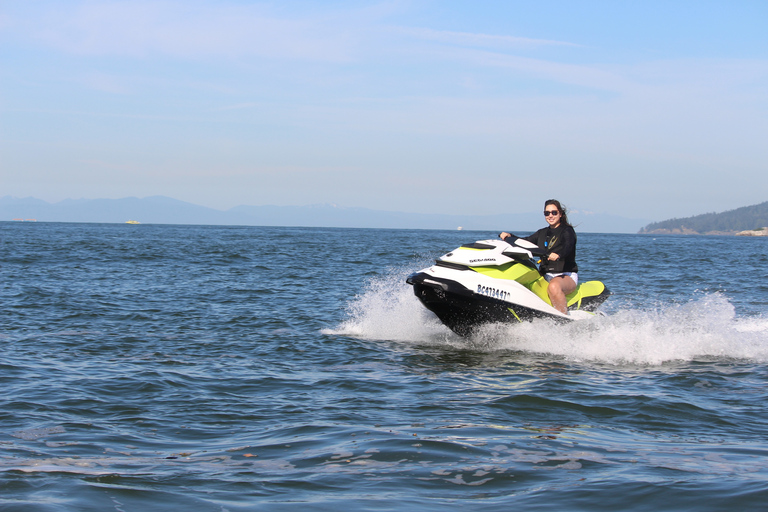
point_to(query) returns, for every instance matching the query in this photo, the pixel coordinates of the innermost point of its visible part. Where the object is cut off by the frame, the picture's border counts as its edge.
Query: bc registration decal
(492, 292)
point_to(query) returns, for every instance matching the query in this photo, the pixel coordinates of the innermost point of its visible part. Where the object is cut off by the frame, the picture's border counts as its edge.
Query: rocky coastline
(684, 231)
(754, 232)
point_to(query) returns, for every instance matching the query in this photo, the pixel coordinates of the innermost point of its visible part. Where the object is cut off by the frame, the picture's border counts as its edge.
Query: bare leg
(558, 288)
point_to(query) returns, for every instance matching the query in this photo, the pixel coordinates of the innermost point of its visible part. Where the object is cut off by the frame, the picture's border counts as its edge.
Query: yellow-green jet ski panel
(513, 271)
(588, 289)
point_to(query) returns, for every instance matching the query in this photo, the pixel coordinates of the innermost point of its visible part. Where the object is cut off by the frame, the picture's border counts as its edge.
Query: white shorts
(572, 275)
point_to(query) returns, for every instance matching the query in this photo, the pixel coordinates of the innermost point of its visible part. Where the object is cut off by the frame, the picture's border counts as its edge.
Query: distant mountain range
(725, 223)
(164, 210)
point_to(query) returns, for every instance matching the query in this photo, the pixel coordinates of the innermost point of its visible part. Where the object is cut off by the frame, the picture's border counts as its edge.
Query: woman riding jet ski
(558, 265)
(498, 281)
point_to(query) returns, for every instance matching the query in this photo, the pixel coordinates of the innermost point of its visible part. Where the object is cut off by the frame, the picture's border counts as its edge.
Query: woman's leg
(558, 288)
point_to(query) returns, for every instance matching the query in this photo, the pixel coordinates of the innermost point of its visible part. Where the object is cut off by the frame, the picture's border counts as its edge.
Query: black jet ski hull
(462, 310)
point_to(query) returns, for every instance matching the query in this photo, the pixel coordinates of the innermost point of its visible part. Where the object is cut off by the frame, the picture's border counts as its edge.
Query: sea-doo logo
(482, 260)
(492, 292)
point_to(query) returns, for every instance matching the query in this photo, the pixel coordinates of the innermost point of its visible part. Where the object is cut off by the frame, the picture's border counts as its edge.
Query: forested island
(745, 221)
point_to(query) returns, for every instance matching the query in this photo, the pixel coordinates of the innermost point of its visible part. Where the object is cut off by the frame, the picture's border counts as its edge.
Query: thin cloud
(239, 106)
(573, 74)
(106, 83)
(480, 40)
(194, 30)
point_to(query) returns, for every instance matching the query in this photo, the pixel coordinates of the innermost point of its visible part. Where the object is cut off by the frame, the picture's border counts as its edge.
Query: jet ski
(496, 281)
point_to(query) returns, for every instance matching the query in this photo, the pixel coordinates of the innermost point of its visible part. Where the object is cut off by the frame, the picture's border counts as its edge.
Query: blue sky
(651, 109)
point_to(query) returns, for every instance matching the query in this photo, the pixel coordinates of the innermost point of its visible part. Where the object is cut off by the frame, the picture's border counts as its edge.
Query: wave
(705, 328)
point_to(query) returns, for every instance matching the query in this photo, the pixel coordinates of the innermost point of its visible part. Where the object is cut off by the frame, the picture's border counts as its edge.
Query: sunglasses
(547, 213)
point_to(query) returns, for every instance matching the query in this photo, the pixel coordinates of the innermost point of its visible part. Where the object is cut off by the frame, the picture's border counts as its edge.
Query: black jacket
(560, 240)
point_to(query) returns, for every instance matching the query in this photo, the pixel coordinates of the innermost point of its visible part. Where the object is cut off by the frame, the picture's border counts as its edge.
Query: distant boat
(132, 222)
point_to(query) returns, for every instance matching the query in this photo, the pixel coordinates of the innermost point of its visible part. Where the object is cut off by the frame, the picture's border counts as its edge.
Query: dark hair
(560, 208)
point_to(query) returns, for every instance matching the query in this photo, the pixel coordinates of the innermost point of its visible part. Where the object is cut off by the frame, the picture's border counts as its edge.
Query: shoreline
(685, 231)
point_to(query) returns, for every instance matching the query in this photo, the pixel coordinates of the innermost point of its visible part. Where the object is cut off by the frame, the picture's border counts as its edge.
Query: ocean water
(149, 367)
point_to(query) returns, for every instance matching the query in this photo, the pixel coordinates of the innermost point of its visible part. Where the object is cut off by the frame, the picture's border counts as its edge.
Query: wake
(703, 329)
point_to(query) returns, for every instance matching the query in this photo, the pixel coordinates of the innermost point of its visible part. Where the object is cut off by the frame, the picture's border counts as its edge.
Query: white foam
(388, 310)
(702, 329)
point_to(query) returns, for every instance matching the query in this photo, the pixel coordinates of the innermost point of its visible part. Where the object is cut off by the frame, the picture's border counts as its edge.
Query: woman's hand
(553, 256)
(504, 235)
